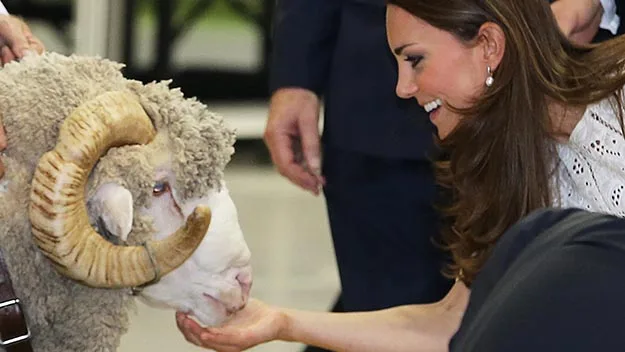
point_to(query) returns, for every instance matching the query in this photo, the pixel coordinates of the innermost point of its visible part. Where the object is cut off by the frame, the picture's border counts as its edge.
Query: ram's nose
(244, 278)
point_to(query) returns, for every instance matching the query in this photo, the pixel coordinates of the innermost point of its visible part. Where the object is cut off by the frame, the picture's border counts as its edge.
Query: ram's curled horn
(58, 211)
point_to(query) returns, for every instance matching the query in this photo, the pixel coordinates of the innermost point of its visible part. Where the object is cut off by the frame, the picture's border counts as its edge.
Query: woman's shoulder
(599, 128)
(591, 171)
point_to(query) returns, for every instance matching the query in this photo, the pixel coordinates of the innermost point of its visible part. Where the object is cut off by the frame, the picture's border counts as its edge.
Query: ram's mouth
(220, 305)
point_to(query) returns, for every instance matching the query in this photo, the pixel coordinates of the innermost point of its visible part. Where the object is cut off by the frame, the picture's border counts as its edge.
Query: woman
(529, 120)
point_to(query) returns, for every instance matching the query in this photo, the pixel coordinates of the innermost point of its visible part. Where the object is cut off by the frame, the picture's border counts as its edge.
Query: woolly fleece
(36, 95)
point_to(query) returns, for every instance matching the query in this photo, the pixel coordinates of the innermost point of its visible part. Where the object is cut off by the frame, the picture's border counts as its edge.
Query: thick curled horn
(58, 211)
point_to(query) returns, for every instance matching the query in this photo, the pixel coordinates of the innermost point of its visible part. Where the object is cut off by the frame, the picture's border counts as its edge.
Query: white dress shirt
(610, 19)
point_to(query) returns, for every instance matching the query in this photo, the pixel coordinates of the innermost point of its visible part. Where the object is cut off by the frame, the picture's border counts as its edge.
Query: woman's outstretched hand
(257, 323)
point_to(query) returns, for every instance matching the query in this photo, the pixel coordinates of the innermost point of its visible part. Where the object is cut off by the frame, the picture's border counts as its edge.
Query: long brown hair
(502, 155)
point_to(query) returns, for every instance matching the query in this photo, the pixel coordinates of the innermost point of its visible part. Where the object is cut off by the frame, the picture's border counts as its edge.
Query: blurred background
(217, 51)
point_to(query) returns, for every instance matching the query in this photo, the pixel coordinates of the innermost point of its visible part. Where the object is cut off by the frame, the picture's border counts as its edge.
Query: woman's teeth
(431, 106)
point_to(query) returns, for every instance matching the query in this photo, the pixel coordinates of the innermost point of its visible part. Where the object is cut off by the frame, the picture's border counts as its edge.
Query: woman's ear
(492, 41)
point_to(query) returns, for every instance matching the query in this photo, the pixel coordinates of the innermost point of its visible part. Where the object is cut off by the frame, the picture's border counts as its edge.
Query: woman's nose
(406, 88)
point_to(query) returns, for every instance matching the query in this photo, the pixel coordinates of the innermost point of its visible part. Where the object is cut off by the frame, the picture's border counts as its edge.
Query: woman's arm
(426, 327)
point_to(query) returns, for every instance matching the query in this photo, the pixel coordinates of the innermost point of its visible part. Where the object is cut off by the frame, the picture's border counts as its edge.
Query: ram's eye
(160, 188)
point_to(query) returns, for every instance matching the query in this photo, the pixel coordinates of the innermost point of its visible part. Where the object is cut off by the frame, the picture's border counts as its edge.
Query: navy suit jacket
(338, 49)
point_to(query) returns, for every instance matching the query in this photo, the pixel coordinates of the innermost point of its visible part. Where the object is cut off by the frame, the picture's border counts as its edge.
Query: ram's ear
(112, 205)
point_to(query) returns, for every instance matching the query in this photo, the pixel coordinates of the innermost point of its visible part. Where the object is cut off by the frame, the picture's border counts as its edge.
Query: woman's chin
(442, 134)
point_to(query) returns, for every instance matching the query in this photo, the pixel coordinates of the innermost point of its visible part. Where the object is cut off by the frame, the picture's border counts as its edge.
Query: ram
(113, 188)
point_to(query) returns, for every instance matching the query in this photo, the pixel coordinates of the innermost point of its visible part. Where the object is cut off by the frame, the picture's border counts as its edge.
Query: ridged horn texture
(58, 211)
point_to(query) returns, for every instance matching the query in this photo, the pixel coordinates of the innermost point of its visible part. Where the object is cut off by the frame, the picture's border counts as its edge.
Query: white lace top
(591, 172)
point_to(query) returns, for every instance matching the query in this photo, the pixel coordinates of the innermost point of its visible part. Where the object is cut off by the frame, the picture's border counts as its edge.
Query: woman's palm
(255, 324)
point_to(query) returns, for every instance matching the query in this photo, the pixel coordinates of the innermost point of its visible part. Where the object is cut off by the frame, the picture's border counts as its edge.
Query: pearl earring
(489, 80)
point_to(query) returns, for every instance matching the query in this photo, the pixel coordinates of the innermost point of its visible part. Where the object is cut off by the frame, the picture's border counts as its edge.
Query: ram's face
(215, 281)
(194, 258)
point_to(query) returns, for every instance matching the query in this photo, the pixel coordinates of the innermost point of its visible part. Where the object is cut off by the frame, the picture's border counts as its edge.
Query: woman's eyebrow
(398, 50)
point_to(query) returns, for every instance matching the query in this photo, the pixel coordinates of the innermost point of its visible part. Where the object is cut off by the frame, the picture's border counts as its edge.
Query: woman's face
(435, 67)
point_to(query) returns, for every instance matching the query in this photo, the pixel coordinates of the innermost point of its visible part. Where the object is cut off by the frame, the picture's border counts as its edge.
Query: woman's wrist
(285, 324)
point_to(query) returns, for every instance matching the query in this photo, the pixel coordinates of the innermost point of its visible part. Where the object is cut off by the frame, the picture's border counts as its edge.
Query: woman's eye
(160, 188)
(414, 60)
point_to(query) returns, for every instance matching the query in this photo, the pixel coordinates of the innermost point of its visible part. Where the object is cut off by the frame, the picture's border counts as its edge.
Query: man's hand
(579, 20)
(292, 136)
(16, 39)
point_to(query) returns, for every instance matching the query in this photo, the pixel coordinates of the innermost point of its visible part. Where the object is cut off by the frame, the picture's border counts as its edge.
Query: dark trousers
(384, 228)
(555, 282)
